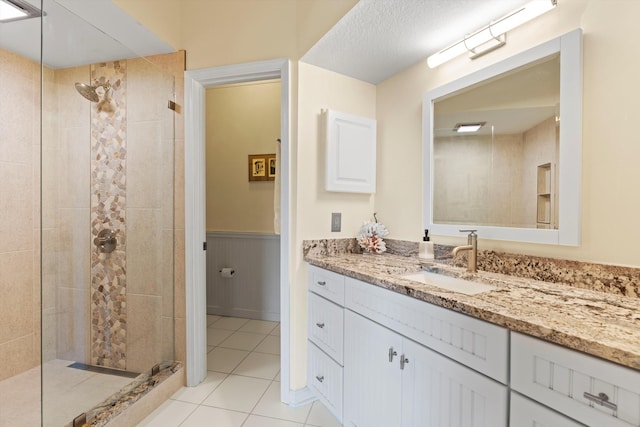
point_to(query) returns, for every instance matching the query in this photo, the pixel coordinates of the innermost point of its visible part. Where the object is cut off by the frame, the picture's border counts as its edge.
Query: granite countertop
(597, 323)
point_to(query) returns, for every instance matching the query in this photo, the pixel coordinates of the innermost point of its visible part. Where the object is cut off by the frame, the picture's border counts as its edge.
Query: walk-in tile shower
(87, 230)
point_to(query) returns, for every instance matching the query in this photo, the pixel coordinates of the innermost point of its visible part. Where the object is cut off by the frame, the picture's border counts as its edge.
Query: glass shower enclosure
(87, 227)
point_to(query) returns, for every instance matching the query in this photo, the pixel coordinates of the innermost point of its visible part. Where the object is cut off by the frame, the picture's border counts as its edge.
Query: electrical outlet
(336, 221)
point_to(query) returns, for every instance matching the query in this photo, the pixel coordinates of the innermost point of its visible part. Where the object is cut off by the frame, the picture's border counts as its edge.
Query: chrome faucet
(472, 247)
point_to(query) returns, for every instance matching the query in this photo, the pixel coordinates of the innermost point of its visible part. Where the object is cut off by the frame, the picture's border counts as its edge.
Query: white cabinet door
(351, 153)
(372, 383)
(438, 392)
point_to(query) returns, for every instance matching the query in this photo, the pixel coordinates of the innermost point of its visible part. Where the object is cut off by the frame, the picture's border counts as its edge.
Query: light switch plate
(336, 221)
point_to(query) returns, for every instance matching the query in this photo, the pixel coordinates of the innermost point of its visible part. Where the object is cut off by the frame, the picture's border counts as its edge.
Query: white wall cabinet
(351, 153)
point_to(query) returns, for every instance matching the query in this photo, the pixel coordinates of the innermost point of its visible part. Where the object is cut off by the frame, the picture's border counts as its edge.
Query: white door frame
(196, 81)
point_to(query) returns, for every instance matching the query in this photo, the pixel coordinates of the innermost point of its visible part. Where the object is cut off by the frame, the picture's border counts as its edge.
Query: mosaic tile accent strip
(108, 203)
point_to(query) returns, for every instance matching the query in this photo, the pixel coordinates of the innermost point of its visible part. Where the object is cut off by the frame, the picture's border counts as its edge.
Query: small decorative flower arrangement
(370, 236)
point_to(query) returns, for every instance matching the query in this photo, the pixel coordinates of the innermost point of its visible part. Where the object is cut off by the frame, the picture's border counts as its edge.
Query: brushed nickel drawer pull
(392, 353)
(320, 325)
(322, 283)
(403, 361)
(601, 399)
(320, 378)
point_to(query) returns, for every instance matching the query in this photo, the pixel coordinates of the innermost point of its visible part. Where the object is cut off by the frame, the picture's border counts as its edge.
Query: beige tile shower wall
(506, 191)
(66, 253)
(464, 164)
(19, 222)
(153, 244)
(49, 210)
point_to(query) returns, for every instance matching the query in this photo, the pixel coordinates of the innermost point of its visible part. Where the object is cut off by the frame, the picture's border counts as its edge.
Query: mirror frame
(570, 152)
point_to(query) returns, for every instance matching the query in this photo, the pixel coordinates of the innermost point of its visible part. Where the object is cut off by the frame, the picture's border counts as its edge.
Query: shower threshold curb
(118, 404)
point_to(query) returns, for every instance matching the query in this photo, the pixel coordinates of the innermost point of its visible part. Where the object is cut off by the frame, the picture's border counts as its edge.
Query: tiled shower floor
(67, 393)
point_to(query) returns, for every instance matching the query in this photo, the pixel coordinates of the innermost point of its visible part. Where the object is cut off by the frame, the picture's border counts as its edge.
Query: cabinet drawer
(325, 377)
(326, 326)
(590, 390)
(525, 412)
(472, 342)
(327, 283)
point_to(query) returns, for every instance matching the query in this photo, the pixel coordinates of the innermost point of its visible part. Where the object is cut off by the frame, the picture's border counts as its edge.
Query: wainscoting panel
(254, 289)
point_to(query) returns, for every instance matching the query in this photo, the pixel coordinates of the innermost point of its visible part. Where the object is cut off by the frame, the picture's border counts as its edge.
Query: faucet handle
(471, 232)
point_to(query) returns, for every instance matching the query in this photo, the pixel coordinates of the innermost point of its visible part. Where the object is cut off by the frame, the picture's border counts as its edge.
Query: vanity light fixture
(15, 10)
(493, 35)
(468, 127)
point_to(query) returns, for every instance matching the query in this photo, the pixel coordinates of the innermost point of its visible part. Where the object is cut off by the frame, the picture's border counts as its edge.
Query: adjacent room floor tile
(276, 331)
(243, 341)
(208, 416)
(200, 392)
(224, 359)
(216, 336)
(238, 393)
(212, 319)
(259, 365)
(259, 326)
(271, 406)
(231, 323)
(271, 345)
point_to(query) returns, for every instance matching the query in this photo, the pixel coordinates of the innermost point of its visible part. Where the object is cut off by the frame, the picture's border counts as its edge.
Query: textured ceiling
(379, 38)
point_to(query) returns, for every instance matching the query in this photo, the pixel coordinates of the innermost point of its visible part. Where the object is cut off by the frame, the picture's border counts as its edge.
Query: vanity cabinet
(592, 391)
(390, 379)
(325, 337)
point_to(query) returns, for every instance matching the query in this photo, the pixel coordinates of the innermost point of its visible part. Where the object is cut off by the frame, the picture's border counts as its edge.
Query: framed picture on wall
(271, 166)
(262, 167)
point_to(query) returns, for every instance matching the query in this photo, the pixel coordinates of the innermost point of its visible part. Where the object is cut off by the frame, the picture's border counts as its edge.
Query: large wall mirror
(502, 148)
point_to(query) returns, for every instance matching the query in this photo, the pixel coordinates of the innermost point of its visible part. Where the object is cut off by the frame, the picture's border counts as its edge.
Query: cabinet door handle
(601, 399)
(320, 325)
(403, 361)
(322, 283)
(320, 378)
(392, 353)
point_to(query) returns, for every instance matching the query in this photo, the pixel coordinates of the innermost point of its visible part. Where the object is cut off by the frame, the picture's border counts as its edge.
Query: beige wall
(241, 120)
(19, 217)
(318, 89)
(610, 173)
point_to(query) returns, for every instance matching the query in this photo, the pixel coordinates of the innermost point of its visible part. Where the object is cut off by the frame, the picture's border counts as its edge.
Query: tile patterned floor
(67, 393)
(242, 388)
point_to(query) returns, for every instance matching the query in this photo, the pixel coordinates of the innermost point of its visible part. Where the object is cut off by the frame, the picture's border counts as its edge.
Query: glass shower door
(108, 222)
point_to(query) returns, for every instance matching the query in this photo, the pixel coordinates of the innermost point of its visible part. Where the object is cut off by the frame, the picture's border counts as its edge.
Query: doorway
(196, 82)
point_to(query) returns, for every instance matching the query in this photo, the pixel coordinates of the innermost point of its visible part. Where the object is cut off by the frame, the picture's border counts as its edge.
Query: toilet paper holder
(227, 272)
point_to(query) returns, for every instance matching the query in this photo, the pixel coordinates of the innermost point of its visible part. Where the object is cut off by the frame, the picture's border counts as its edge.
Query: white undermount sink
(449, 283)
